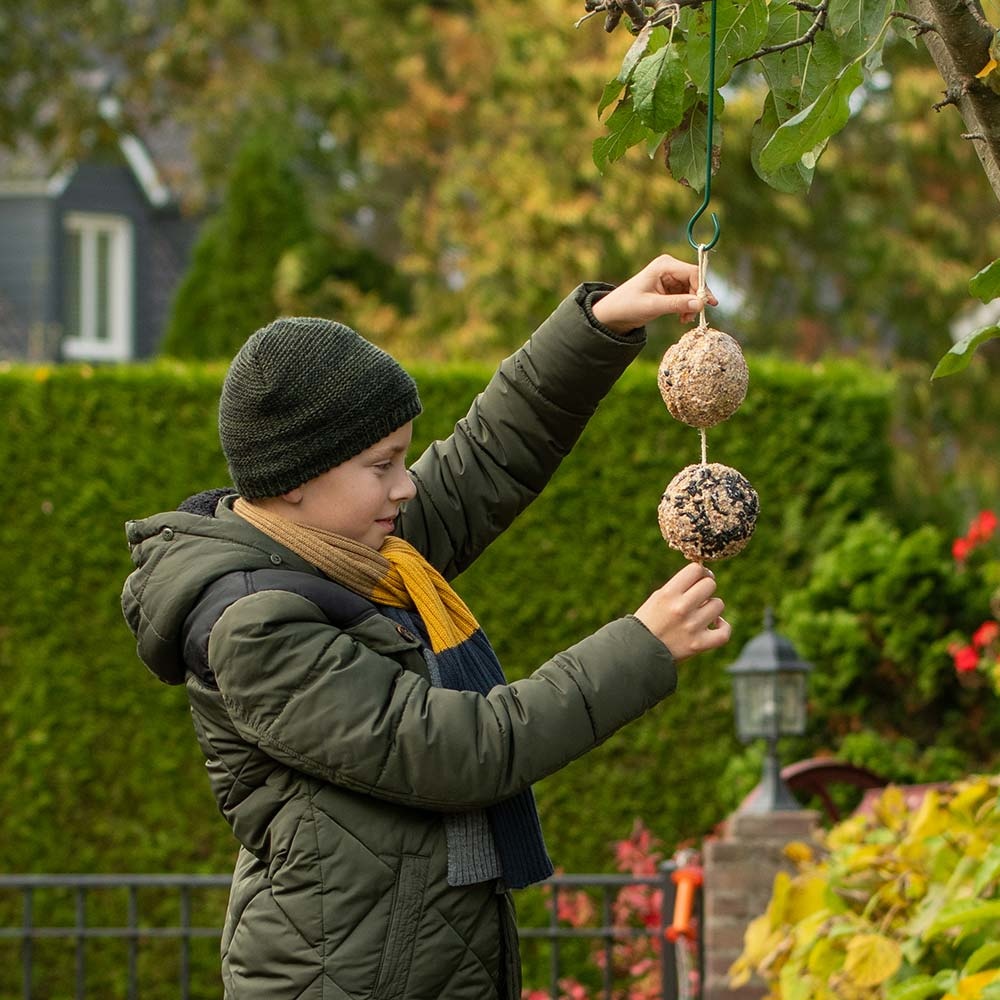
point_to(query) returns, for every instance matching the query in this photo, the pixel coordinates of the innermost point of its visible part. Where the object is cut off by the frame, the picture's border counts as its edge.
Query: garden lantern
(769, 696)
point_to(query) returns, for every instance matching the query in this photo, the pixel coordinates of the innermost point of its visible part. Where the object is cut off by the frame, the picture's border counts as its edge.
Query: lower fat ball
(708, 512)
(703, 377)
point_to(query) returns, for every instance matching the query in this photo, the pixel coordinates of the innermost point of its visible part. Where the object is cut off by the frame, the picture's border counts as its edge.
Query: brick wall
(739, 873)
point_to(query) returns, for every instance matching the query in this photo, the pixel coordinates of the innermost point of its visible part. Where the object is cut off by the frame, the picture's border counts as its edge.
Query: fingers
(664, 286)
(685, 578)
(677, 285)
(684, 613)
(684, 305)
(676, 275)
(717, 636)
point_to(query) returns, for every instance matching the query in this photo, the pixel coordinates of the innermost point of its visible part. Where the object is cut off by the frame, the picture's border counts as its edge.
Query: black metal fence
(675, 979)
(81, 931)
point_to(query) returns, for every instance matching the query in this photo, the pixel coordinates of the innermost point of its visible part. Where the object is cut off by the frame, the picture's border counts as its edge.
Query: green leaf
(612, 90)
(855, 23)
(797, 76)
(635, 52)
(902, 29)
(654, 142)
(915, 988)
(793, 179)
(741, 27)
(625, 129)
(986, 285)
(961, 353)
(815, 124)
(686, 155)
(988, 870)
(658, 90)
(964, 912)
(982, 958)
(946, 979)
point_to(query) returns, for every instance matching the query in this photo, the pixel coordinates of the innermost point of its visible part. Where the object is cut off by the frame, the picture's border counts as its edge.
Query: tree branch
(920, 26)
(660, 12)
(976, 13)
(952, 95)
(807, 39)
(960, 49)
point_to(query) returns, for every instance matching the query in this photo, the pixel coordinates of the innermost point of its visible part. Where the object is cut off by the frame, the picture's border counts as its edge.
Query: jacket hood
(177, 555)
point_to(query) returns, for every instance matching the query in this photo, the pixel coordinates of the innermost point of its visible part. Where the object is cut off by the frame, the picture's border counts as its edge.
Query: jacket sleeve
(316, 699)
(471, 486)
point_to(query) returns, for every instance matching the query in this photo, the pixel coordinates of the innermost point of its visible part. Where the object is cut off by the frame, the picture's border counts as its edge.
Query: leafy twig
(660, 12)
(806, 39)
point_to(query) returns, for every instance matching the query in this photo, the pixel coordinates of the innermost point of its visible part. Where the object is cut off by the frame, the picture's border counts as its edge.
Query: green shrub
(876, 618)
(103, 773)
(228, 289)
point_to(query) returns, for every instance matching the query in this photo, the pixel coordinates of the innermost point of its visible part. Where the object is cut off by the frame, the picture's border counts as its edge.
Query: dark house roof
(137, 189)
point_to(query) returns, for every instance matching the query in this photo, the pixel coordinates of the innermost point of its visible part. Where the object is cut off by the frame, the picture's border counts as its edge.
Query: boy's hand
(665, 285)
(684, 615)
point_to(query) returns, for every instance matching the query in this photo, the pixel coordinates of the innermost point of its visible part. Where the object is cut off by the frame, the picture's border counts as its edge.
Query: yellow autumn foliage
(899, 903)
(971, 987)
(872, 959)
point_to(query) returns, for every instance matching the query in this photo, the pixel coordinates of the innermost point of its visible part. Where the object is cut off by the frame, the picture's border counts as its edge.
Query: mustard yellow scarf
(396, 575)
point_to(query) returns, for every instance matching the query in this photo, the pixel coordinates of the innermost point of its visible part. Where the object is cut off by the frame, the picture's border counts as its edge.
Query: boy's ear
(293, 495)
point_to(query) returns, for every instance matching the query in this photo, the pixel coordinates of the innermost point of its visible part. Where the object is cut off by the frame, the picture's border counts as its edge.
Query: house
(90, 254)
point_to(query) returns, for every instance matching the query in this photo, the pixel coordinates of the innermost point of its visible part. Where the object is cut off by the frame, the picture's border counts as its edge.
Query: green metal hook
(708, 153)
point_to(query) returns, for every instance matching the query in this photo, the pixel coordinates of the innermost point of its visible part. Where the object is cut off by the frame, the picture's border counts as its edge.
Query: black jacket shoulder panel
(341, 606)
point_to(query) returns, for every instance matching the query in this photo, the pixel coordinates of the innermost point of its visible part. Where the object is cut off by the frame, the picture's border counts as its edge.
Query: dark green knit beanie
(303, 395)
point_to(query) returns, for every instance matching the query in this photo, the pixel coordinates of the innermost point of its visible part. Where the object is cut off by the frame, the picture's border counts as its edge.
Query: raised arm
(471, 486)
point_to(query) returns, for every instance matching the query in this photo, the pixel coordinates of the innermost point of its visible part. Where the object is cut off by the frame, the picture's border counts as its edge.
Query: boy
(359, 735)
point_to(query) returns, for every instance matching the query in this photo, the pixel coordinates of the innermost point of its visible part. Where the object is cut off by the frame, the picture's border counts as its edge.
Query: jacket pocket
(401, 935)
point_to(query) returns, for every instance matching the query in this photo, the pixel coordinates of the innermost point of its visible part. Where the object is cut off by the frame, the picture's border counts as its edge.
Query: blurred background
(174, 175)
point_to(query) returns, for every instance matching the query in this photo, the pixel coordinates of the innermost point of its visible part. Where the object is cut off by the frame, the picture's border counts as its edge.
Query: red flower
(576, 908)
(638, 854)
(985, 634)
(983, 525)
(960, 549)
(966, 658)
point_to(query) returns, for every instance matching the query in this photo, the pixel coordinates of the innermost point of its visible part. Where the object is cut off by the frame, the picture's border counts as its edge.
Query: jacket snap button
(405, 633)
(168, 533)
(275, 558)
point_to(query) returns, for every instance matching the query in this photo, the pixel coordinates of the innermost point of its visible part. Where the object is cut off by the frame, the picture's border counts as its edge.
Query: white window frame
(120, 343)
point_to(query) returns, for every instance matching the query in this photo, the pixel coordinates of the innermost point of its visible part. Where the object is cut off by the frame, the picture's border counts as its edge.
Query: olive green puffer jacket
(331, 754)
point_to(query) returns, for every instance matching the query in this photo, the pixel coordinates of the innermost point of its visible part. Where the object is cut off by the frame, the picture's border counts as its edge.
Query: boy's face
(361, 497)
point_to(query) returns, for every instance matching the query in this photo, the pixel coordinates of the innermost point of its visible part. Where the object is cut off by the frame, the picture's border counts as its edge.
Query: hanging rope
(702, 283)
(703, 323)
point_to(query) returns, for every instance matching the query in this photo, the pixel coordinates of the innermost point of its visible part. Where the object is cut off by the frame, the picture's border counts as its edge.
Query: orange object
(687, 880)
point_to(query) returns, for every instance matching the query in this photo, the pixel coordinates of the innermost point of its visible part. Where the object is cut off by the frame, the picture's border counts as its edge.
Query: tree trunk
(959, 49)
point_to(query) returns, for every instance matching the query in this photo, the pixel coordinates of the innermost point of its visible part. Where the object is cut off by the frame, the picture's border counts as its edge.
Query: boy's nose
(405, 488)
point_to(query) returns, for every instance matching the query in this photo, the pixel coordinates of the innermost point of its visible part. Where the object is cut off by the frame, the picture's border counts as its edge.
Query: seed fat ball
(708, 512)
(703, 377)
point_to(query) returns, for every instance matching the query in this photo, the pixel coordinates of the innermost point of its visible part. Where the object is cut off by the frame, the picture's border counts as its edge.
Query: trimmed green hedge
(102, 773)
